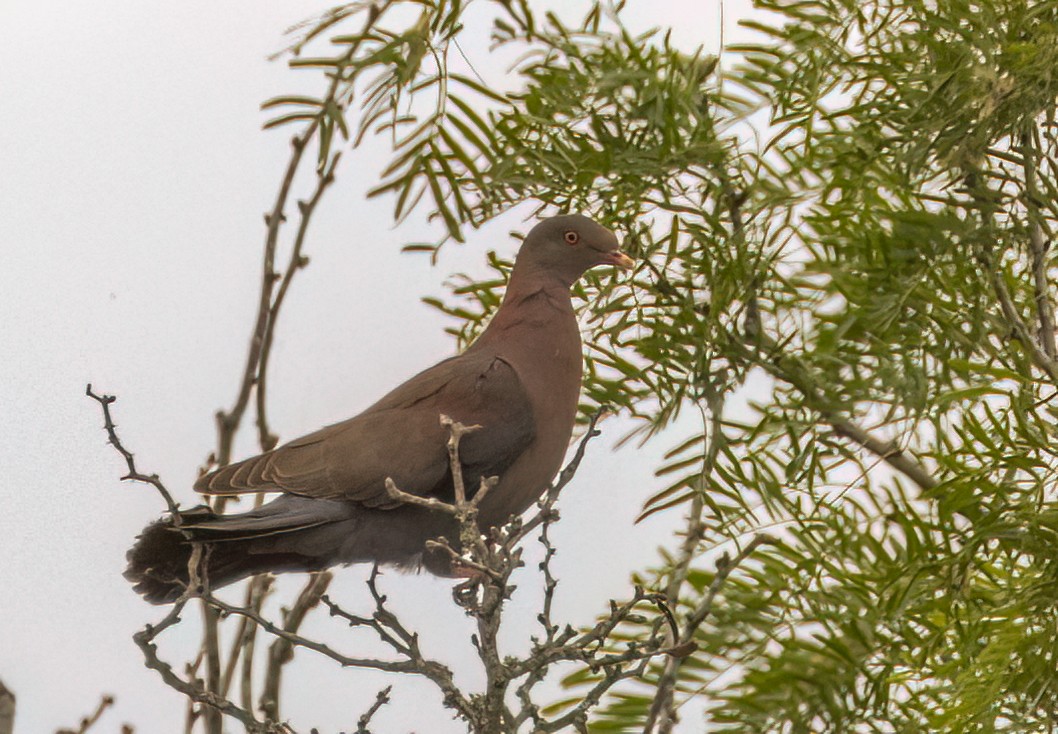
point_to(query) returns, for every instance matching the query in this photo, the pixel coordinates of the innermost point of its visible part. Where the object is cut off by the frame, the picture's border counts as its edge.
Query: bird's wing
(399, 437)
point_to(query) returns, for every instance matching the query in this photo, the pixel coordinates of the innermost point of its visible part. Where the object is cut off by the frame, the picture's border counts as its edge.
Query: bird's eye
(572, 238)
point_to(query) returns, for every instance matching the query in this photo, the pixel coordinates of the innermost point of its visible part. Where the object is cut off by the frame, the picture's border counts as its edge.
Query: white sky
(133, 179)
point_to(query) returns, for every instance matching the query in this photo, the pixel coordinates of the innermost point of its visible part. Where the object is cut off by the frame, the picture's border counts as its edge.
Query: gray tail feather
(231, 549)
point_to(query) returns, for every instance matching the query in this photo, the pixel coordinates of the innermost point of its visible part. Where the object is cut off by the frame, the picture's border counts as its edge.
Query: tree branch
(790, 370)
(547, 502)
(7, 710)
(268, 309)
(662, 711)
(282, 651)
(324, 178)
(89, 721)
(144, 639)
(987, 209)
(133, 474)
(1038, 245)
(380, 700)
(243, 642)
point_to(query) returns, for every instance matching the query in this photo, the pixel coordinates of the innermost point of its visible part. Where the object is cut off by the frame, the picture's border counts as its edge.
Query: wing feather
(400, 437)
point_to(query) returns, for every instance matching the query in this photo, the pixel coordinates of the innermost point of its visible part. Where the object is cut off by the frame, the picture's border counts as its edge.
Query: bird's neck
(535, 324)
(528, 279)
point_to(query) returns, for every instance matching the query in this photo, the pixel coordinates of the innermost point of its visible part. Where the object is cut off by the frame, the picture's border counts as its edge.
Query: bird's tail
(219, 550)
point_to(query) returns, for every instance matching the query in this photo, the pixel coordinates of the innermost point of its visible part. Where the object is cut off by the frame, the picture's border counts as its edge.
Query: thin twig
(211, 654)
(144, 639)
(256, 591)
(7, 710)
(268, 309)
(693, 536)
(133, 474)
(250, 647)
(228, 421)
(391, 631)
(389, 666)
(550, 582)
(381, 699)
(662, 711)
(695, 527)
(281, 651)
(1038, 245)
(324, 178)
(986, 207)
(547, 502)
(87, 722)
(790, 370)
(456, 431)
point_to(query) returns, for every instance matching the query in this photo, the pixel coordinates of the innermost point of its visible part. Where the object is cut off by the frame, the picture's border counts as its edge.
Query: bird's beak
(620, 259)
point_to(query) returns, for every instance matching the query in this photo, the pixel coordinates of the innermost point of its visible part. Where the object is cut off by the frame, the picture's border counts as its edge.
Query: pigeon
(519, 381)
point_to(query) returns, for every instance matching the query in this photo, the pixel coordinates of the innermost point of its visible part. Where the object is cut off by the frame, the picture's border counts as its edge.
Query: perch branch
(268, 308)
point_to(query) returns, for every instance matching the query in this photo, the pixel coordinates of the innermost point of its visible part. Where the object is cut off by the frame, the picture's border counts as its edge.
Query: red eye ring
(571, 238)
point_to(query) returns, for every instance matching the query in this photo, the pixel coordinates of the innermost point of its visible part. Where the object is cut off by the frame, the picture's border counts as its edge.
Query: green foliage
(850, 226)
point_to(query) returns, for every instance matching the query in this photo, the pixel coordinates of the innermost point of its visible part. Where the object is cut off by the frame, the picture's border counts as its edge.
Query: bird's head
(569, 245)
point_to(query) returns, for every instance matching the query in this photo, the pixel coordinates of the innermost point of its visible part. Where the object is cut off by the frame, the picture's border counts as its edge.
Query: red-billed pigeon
(520, 381)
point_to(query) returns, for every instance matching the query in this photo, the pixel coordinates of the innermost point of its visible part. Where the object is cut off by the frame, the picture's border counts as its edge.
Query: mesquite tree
(849, 220)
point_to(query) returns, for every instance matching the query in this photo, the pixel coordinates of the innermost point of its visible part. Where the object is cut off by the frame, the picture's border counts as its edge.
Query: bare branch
(483, 598)
(268, 309)
(211, 653)
(144, 639)
(243, 642)
(429, 503)
(133, 473)
(456, 431)
(392, 632)
(269, 305)
(249, 647)
(390, 666)
(7, 710)
(578, 716)
(282, 651)
(89, 721)
(550, 582)
(547, 502)
(324, 178)
(380, 700)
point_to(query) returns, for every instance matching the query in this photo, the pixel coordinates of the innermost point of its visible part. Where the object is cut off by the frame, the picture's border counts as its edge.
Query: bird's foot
(466, 594)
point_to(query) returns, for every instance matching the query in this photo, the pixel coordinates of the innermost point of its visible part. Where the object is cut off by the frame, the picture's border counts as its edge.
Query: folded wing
(400, 437)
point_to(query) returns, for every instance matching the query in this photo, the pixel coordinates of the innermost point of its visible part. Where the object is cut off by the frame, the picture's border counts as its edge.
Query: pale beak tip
(623, 261)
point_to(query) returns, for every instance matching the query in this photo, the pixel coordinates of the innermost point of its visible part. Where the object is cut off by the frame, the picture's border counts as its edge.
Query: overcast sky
(133, 179)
